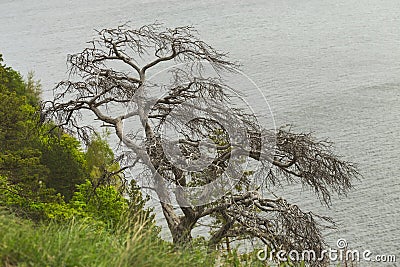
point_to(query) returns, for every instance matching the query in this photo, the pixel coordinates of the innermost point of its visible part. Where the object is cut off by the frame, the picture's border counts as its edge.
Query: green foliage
(10, 80)
(36, 163)
(98, 155)
(28, 152)
(63, 156)
(104, 170)
(104, 203)
(137, 204)
(101, 162)
(27, 203)
(19, 159)
(33, 89)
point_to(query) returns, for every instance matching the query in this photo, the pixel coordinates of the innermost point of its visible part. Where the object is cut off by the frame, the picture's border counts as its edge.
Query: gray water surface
(327, 66)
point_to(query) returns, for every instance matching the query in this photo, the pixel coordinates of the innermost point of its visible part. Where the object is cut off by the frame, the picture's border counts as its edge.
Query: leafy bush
(29, 153)
(63, 156)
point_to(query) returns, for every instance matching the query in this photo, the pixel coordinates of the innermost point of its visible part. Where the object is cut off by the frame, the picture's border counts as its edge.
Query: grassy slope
(81, 244)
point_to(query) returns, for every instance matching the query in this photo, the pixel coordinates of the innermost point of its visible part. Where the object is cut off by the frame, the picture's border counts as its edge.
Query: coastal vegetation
(66, 198)
(169, 126)
(54, 210)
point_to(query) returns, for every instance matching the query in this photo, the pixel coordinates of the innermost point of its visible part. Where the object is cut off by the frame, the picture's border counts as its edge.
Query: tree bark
(182, 232)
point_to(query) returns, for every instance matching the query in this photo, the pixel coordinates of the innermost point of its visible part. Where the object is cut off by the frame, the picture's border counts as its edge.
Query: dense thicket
(44, 172)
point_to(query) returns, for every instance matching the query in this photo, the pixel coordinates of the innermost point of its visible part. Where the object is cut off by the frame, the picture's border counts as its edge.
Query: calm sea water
(328, 66)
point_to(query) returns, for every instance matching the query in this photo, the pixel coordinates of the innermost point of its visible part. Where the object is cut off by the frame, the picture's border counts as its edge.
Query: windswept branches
(199, 148)
(184, 89)
(101, 85)
(131, 46)
(313, 163)
(276, 223)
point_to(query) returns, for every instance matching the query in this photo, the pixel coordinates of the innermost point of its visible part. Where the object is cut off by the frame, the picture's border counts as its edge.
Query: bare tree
(109, 79)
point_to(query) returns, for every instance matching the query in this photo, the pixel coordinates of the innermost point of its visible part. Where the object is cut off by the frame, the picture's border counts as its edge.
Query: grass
(78, 243)
(83, 243)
